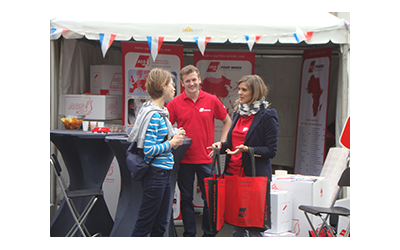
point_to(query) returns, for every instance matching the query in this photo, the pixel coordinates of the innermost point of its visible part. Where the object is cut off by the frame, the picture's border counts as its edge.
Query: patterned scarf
(247, 110)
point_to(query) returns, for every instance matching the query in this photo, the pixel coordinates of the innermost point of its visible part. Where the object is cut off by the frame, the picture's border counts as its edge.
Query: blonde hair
(155, 82)
(257, 85)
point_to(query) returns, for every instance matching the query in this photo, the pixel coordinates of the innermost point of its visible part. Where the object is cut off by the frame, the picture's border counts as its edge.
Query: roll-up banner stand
(312, 113)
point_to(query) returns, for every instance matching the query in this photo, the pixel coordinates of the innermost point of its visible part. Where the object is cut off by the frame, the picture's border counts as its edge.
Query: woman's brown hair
(155, 82)
(257, 85)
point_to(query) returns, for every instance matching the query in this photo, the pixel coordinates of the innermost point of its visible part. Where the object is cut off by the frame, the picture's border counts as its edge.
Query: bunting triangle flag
(302, 36)
(345, 24)
(251, 40)
(155, 45)
(105, 42)
(55, 33)
(202, 43)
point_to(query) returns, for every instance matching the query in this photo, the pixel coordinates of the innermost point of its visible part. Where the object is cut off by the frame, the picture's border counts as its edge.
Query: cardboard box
(281, 211)
(106, 79)
(95, 107)
(307, 190)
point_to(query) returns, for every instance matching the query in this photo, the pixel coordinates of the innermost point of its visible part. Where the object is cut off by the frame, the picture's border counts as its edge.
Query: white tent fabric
(273, 27)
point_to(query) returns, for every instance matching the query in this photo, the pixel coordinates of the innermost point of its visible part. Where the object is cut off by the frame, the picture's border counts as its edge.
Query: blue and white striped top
(155, 134)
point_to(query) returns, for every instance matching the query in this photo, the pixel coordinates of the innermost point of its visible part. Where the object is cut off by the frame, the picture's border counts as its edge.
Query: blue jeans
(153, 213)
(185, 182)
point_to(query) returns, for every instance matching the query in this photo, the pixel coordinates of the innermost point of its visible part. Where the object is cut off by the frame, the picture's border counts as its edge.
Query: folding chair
(344, 181)
(69, 195)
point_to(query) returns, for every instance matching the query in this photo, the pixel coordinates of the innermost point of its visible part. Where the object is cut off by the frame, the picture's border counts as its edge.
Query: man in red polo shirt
(195, 111)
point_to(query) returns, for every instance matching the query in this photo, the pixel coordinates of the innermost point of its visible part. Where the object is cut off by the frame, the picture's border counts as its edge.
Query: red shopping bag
(215, 193)
(248, 200)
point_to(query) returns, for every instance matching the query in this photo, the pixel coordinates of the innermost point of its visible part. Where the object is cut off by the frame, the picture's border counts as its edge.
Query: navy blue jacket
(262, 136)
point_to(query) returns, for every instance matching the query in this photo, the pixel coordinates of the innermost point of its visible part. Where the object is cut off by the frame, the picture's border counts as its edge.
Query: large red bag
(248, 200)
(215, 193)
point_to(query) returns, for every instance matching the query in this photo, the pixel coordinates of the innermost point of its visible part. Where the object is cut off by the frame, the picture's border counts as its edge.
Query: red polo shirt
(197, 118)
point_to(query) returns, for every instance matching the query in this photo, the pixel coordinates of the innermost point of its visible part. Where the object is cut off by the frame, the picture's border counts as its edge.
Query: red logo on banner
(142, 61)
(213, 66)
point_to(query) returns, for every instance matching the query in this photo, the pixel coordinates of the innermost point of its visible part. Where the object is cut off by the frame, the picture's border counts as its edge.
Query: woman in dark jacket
(253, 125)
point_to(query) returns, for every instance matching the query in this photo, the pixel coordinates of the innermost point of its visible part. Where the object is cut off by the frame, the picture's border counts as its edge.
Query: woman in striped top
(151, 130)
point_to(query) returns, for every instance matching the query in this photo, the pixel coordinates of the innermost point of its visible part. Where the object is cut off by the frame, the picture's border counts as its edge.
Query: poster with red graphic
(136, 65)
(313, 110)
(220, 72)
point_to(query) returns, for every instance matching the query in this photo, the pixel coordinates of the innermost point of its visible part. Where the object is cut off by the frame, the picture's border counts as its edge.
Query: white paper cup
(93, 125)
(85, 125)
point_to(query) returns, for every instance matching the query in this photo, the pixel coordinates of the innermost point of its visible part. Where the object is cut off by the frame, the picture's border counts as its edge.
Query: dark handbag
(136, 163)
(215, 193)
(248, 199)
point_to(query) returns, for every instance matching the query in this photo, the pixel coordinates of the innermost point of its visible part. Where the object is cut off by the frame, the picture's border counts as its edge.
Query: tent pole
(54, 69)
(343, 92)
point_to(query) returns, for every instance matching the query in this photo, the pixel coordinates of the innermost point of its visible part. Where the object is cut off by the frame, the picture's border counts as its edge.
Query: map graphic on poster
(312, 115)
(137, 81)
(314, 88)
(217, 86)
(220, 72)
(136, 66)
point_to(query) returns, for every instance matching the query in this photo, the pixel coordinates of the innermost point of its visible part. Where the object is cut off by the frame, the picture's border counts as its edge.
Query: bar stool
(79, 218)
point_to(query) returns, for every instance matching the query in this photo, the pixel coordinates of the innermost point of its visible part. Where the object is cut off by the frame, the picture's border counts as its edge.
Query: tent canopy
(261, 26)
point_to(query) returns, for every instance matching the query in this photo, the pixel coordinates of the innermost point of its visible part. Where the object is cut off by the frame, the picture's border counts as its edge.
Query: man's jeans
(185, 182)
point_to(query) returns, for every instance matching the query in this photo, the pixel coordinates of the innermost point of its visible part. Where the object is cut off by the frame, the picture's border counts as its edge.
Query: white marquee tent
(281, 40)
(273, 27)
